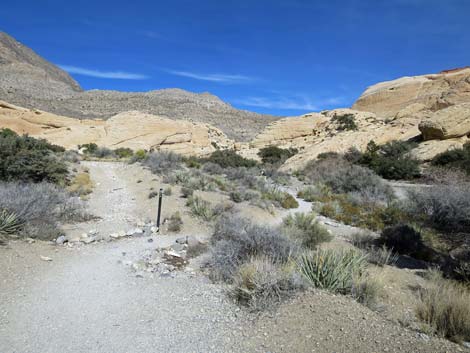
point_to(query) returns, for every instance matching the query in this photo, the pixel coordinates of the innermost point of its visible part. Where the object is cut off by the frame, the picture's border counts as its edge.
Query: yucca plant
(334, 270)
(9, 223)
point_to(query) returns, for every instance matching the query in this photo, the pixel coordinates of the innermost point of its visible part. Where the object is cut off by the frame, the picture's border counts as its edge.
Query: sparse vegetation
(368, 290)
(201, 208)
(163, 162)
(458, 158)
(276, 155)
(175, 222)
(229, 158)
(402, 239)
(334, 270)
(235, 241)
(9, 223)
(81, 184)
(261, 282)
(444, 307)
(39, 208)
(345, 122)
(305, 229)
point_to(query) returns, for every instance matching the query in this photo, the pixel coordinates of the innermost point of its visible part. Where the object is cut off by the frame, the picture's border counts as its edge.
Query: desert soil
(87, 300)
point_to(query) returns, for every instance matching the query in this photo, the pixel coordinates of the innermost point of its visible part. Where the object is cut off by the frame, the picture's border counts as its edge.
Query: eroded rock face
(435, 92)
(451, 122)
(134, 130)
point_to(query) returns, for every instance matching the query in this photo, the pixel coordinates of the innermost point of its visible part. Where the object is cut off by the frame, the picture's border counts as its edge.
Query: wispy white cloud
(290, 103)
(121, 75)
(220, 78)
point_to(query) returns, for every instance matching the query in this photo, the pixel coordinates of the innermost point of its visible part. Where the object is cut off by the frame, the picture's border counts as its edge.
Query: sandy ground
(87, 300)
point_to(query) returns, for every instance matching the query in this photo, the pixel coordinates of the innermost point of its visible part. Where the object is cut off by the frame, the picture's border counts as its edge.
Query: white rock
(114, 235)
(45, 258)
(60, 240)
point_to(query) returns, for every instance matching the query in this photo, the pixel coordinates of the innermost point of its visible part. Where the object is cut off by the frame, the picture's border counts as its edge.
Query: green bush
(458, 158)
(229, 158)
(345, 121)
(282, 198)
(391, 160)
(403, 239)
(201, 208)
(306, 229)
(27, 159)
(334, 270)
(122, 152)
(276, 155)
(138, 156)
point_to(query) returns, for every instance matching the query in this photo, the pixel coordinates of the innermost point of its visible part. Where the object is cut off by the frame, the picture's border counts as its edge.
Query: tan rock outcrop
(447, 123)
(134, 130)
(435, 92)
(427, 150)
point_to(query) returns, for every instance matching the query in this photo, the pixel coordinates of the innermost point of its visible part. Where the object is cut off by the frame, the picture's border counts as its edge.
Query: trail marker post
(160, 197)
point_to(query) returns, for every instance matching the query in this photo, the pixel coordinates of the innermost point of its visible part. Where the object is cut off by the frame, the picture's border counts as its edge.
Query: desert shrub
(229, 158)
(153, 194)
(192, 162)
(362, 239)
(246, 177)
(368, 290)
(71, 156)
(443, 207)
(402, 238)
(282, 198)
(9, 223)
(444, 306)
(103, 152)
(236, 240)
(306, 229)
(88, 148)
(167, 191)
(123, 152)
(347, 210)
(27, 159)
(201, 208)
(458, 158)
(276, 155)
(344, 177)
(391, 160)
(380, 255)
(241, 194)
(328, 155)
(186, 192)
(175, 222)
(260, 283)
(138, 156)
(81, 184)
(40, 207)
(444, 175)
(334, 270)
(163, 162)
(212, 168)
(345, 121)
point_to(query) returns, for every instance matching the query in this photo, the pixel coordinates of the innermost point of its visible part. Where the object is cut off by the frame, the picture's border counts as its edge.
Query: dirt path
(85, 301)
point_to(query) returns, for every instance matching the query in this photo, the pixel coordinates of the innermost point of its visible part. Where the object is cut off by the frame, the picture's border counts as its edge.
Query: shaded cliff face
(433, 92)
(28, 80)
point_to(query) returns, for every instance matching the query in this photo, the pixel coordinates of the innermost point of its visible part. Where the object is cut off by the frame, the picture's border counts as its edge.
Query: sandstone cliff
(130, 129)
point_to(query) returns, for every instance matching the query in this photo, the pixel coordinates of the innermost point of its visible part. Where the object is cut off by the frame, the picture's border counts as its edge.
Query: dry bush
(41, 207)
(236, 240)
(305, 229)
(175, 222)
(81, 184)
(260, 283)
(163, 162)
(344, 177)
(443, 207)
(368, 290)
(444, 306)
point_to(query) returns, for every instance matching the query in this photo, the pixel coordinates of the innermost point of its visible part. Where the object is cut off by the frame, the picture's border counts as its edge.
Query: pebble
(60, 240)
(45, 258)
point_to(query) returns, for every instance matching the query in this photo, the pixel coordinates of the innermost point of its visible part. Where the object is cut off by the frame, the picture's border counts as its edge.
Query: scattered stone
(45, 258)
(30, 240)
(93, 232)
(182, 240)
(89, 240)
(60, 240)
(178, 247)
(136, 231)
(466, 344)
(154, 229)
(114, 235)
(150, 240)
(192, 241)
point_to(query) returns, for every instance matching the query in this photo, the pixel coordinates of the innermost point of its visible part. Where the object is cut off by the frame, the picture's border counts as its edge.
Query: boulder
(447, 123)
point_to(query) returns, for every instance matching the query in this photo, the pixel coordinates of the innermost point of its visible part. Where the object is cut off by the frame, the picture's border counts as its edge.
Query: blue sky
(284, 57)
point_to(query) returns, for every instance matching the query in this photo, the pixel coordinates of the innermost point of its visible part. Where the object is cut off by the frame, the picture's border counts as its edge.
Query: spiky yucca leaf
(332, 269)
(9, 223)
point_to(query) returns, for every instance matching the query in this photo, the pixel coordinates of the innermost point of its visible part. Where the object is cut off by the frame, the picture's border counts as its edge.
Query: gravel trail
(84, 300)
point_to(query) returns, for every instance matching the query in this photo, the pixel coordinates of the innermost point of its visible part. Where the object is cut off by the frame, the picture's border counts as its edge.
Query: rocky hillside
(134, 130)
(433, 110)
(28, 80)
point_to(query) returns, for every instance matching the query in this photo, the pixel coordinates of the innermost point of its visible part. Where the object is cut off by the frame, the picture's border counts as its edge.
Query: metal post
(160, 196)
